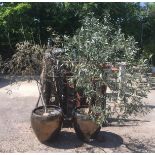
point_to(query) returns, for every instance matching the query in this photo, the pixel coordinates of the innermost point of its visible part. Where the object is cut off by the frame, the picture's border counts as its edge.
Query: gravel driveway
(16, 135)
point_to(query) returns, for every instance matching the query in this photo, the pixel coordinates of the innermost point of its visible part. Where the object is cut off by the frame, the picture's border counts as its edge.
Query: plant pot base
(85, 128)
(86, 137)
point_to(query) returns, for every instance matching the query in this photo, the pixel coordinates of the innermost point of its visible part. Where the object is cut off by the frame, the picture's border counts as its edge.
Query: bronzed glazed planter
(46, 127)
(85, 128)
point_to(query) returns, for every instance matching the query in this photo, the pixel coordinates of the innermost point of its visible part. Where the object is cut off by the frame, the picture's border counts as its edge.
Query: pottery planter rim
(83, 116)
(50, 116)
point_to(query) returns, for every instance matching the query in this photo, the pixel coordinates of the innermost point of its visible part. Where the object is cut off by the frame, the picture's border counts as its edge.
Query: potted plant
(100, 49)
(88, 119)
(46, 120)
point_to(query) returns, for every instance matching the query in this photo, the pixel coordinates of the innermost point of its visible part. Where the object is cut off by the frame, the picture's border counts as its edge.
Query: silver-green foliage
(96, 44)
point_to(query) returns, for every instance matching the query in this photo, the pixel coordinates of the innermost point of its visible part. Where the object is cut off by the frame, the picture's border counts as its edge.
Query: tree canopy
(35, 22)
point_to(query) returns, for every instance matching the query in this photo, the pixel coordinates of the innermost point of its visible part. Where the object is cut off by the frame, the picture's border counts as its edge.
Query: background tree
(36, 21)
(149, 31)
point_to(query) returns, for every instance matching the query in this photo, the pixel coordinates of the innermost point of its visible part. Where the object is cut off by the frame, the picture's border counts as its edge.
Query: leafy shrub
(26, 61)
(97, 45)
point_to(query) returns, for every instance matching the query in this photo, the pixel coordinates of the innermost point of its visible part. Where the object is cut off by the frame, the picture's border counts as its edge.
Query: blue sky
(142, 4)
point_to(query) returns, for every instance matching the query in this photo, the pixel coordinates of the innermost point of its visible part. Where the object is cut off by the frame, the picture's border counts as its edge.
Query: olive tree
(96, 46)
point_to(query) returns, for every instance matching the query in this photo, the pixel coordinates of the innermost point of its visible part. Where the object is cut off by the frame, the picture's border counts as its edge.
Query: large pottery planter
(85, 128)
(46, 127)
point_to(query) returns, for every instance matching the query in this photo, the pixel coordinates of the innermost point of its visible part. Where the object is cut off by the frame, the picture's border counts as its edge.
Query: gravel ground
(16, 135)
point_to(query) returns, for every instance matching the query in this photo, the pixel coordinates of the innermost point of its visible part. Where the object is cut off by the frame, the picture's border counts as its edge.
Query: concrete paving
(16, 135)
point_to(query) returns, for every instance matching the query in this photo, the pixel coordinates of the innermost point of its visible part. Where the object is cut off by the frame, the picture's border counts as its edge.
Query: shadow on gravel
(150, 106)
(140, 146)
(113, 122)
(4, 82)
(107, 140)
(65, 140)
(69, 140)
(153, 88)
